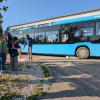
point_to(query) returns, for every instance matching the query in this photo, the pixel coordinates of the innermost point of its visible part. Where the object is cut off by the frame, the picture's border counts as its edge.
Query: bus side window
(64, 38)
(52, 37)
(39, 38)
(98, 28)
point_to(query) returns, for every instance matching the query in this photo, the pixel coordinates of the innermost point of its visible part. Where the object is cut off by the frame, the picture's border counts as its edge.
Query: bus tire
(82, 52)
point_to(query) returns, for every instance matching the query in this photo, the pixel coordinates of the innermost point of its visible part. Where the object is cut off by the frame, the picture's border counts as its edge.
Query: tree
(2, 8)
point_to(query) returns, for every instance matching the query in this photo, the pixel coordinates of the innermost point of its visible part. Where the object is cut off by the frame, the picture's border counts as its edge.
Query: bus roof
(68, 21)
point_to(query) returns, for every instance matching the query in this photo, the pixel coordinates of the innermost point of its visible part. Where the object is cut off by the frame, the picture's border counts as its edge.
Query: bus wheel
(82, 52)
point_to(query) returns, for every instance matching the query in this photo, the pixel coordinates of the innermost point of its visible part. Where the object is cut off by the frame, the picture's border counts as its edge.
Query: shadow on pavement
(83, 78)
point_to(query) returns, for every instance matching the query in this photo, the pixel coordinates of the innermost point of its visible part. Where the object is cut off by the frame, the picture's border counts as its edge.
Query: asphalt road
(72, 79)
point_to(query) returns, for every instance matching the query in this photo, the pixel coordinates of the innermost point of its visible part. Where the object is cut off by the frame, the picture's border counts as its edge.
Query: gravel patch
(28, 81)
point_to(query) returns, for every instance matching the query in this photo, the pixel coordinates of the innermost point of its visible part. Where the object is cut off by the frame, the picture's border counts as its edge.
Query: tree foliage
(2, 8)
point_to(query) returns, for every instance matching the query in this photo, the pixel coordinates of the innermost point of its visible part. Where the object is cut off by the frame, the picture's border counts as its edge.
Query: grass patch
(9, 96)
(7, 89)
(45, 70)
(33, 97)
(12, 85)
(39, 92)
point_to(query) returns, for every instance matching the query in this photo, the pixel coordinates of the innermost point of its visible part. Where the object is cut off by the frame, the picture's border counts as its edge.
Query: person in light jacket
(29, 43)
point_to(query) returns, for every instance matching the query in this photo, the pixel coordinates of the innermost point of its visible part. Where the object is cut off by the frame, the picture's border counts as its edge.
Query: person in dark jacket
(9, 39)
(3, 52)
(14, 53)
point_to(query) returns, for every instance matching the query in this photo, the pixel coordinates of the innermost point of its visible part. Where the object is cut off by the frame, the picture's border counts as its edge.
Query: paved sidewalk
(73, 83)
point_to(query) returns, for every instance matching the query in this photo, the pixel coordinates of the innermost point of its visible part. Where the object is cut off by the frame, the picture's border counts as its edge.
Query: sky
(23, 11)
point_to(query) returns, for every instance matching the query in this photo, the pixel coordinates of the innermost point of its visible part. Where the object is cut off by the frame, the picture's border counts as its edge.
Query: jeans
(14, 63)
(2, 61)
(30, 53)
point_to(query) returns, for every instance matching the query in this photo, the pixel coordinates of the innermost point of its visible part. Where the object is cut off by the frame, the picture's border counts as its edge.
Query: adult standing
(14, 54)
(29, 43)
(9, 40)
(3, 51)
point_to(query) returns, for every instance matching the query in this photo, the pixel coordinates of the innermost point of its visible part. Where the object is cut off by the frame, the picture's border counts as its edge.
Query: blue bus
(78, 37)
